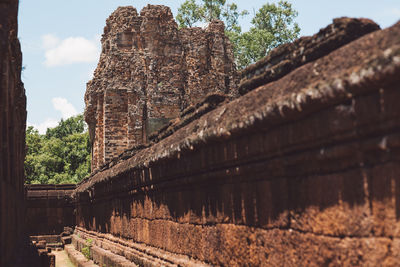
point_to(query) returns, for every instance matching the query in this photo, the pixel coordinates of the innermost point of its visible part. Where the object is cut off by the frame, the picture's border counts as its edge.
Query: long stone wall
(300, 171)
(12, 133)
(149, 71)
(49, 209)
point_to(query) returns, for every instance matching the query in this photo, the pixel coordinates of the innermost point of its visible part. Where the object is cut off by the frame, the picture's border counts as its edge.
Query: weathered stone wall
(149, 71)
(12, 132)
(299, 171)
(290, 56)
(49, 209)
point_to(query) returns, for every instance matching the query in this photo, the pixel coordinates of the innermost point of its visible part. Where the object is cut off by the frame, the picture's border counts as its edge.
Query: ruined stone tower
(149, 71)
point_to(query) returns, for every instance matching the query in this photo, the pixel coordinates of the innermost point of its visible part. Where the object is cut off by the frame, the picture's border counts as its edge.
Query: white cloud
(91, 71)
(67, 109)
(49, 41)
(42, 127)
(90, 74)
(97, 38)
(61, 104)
(70, 50)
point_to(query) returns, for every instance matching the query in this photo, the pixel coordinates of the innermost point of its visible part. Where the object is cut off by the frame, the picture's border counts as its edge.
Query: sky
(60, 43)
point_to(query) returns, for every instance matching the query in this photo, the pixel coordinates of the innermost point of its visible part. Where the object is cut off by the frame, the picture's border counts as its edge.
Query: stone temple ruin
(149, 71)
(292, 161)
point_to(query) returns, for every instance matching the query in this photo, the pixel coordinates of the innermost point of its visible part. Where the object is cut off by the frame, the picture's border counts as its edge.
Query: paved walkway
(62, 259)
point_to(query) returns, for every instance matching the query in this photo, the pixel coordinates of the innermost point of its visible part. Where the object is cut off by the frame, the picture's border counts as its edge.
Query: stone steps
(105, 247)
(101, 256)
(77, 258)
(107, 258)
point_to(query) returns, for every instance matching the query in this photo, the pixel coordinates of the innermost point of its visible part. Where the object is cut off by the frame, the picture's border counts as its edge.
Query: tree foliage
(62, 155)
(272, 25)
(190, 13)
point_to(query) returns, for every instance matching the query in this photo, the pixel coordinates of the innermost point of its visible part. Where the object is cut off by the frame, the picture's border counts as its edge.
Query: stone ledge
(50, 186)
(287, 57)
(47, 238)
(77, 258)
(344, 74)
(290, 247)
(108, 248)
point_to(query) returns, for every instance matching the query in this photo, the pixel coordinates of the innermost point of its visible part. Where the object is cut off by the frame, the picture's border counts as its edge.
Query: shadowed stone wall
(149, 71)
(303, 169)
(49, 209)
(12, 133)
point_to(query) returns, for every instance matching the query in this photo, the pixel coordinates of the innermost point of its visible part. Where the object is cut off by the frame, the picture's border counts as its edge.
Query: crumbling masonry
(149, 71)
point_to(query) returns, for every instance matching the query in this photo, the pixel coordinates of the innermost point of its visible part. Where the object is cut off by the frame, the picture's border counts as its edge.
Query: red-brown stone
(290, 56)
(149, 71)
(49, 208)
(300, 171)
(12, 133)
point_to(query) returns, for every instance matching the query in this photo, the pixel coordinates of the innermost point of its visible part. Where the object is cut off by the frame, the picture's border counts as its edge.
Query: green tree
(189, 14)
(273, 24)
(231, 16)
(212, 9)
(34, 139)
(67, 127)
(62, 155)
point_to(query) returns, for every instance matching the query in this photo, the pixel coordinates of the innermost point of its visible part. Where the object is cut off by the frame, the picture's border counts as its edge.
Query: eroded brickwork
(302, 170)
(149, 71)
(12, 133)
